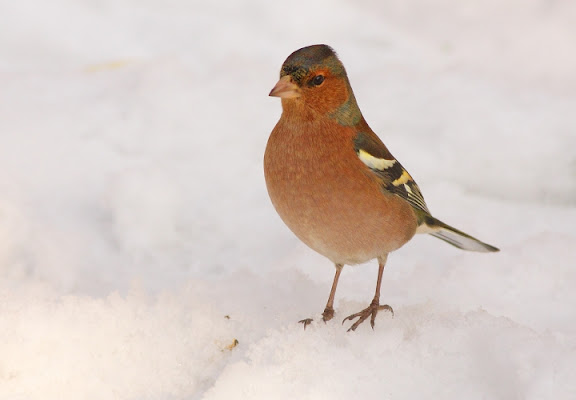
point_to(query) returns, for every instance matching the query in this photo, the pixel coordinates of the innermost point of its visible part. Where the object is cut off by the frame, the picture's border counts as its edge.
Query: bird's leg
(374, 307)
(329, 310)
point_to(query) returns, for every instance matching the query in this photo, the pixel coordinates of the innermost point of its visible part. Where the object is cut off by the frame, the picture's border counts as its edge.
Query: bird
(335, 184)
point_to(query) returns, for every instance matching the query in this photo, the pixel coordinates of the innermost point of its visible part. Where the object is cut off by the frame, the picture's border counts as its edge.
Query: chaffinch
(334, 183)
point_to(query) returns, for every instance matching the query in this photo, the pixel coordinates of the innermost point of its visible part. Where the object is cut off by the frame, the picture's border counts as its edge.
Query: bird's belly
(344, 217)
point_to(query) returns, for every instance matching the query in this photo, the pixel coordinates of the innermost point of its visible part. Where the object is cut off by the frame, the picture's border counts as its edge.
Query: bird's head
(313, 83)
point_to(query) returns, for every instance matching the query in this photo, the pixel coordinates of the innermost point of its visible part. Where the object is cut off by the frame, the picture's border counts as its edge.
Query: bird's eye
(318, 79)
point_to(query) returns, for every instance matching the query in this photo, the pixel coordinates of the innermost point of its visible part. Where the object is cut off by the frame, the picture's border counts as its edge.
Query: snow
(137, 241)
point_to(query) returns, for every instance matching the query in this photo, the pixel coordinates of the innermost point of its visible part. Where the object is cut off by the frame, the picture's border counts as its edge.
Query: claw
(370, 311)
(306, 322)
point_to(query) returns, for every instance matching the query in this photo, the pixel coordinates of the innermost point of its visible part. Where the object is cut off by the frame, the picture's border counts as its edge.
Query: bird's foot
(327, 315)
(305, 322)
(370, 311)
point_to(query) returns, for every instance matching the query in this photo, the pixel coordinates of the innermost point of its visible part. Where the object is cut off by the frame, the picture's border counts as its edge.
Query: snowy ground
(137, 241)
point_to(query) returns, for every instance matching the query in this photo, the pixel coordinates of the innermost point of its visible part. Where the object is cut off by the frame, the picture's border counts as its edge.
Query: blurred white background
(134, 214)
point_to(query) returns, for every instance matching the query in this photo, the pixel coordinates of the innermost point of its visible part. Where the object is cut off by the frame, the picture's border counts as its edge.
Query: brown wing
(395, 179)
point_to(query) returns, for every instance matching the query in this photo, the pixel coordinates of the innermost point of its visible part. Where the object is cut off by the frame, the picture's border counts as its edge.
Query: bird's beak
(285, 88)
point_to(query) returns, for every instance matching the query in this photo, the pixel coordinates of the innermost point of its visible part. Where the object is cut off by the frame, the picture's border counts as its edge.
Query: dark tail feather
(453, 236)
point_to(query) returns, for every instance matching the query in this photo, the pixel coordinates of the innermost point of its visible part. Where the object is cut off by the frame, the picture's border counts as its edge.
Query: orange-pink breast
(328, 197)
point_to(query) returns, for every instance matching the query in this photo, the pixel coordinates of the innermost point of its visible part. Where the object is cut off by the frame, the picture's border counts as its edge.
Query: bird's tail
(453, 236)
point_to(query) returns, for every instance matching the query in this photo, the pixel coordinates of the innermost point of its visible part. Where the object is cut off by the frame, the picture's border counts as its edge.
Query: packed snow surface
(140, 257)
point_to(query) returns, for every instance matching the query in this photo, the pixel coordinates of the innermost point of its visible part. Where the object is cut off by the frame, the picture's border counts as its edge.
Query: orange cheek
(328, 97)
